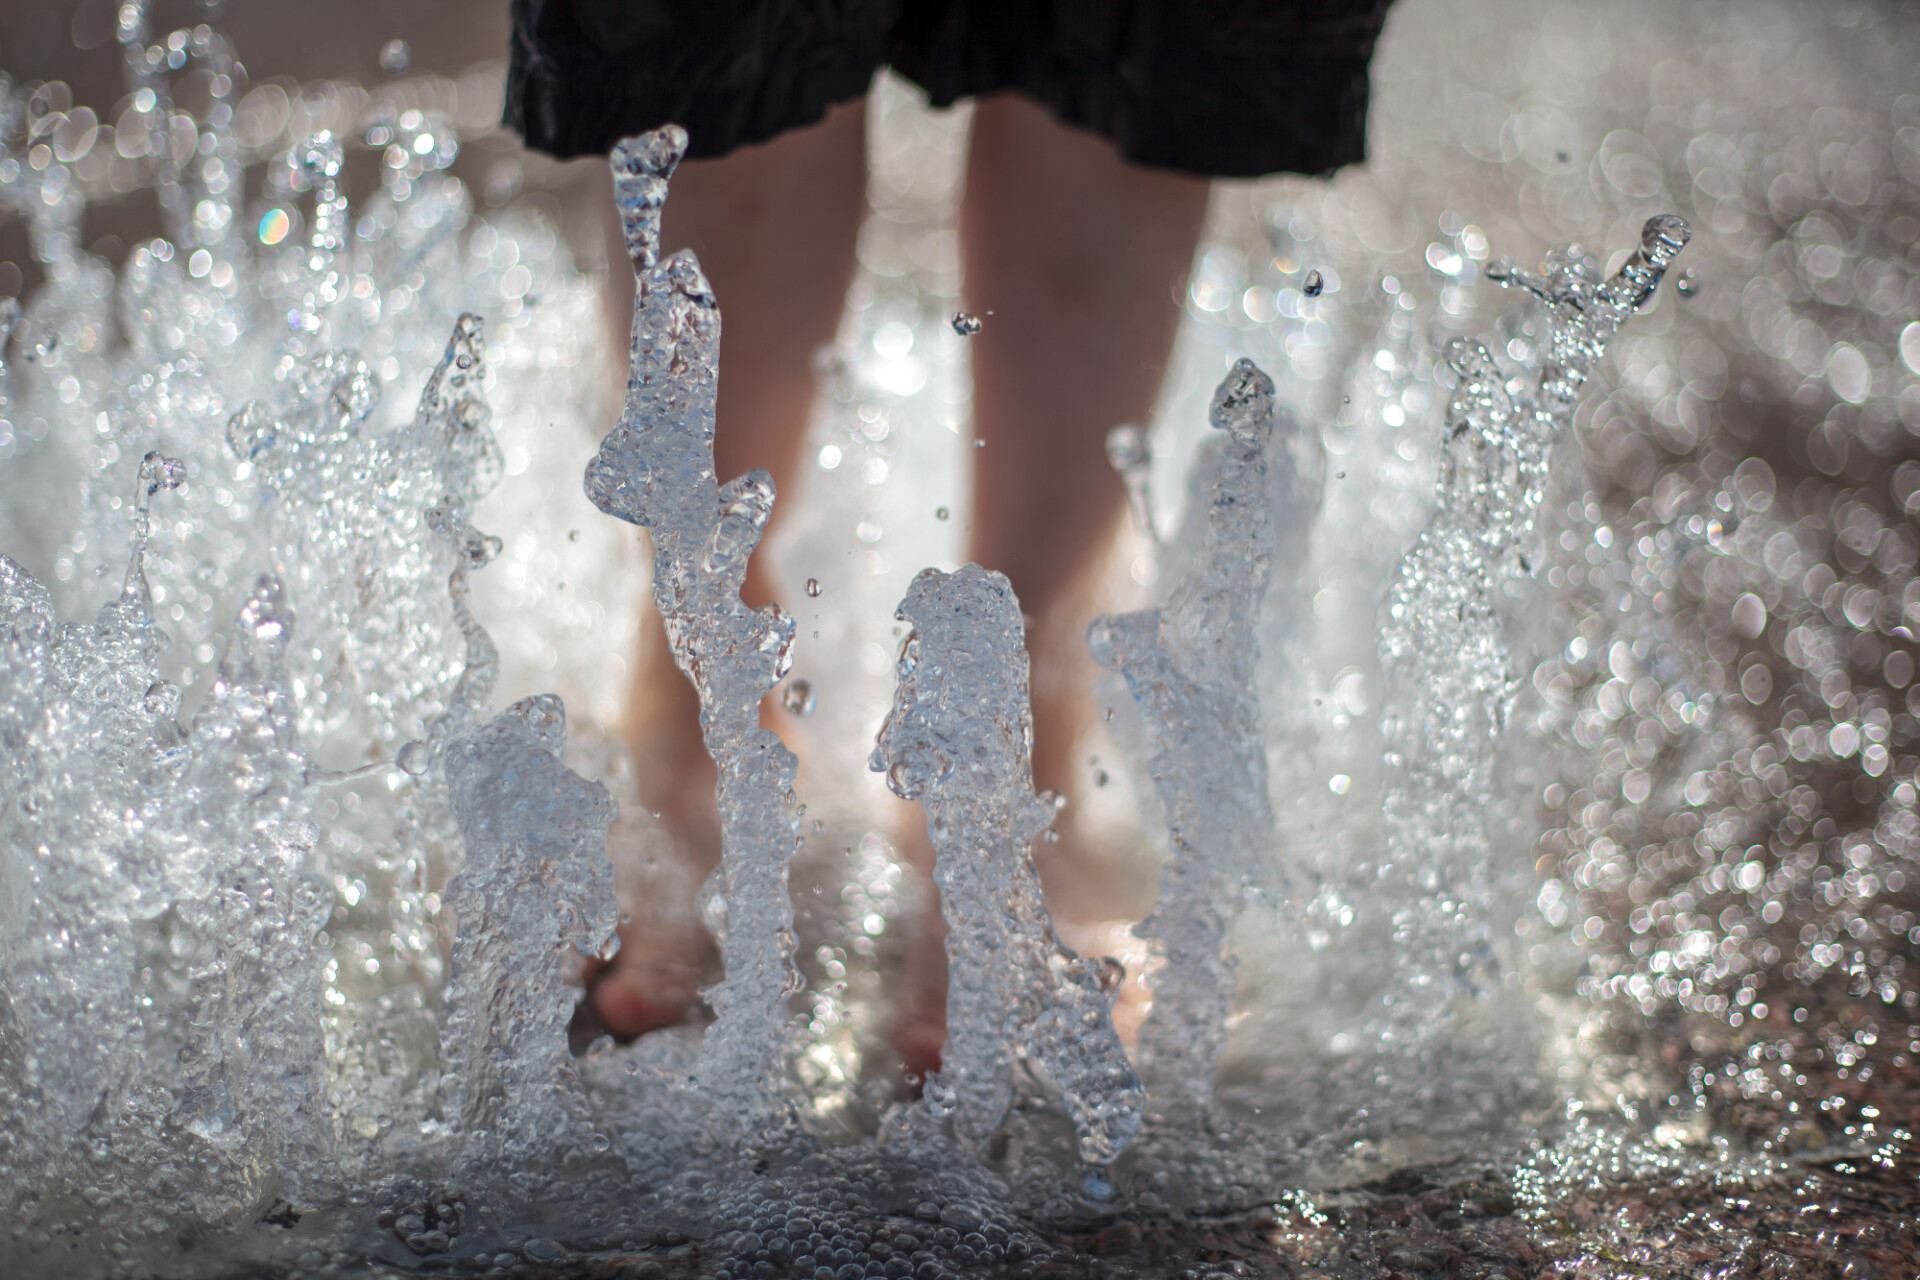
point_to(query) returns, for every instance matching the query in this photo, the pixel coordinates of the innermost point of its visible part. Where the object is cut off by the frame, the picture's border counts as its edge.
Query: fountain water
(286, 988)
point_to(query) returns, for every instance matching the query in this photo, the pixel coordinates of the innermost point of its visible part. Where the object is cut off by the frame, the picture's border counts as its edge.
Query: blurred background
(309, 64)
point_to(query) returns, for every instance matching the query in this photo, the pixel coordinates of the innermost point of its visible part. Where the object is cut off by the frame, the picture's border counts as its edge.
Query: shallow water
(1647, 1007)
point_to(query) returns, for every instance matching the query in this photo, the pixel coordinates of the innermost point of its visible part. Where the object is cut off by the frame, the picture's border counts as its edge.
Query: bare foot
(661, 858)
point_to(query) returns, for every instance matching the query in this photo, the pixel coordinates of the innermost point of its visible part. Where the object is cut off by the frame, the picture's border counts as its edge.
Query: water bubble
(798, 697)
(965, 323)
(1314, 284)
(813, 588)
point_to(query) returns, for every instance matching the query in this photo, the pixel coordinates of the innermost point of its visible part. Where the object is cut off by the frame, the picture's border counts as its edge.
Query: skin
(1079, 256)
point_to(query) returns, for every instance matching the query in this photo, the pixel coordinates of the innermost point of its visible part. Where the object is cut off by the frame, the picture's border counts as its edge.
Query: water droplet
(965, 323)
(1127, 448)
(395, 57)
(813, 588)
(1686, 284)
(163, 699)
(539, 1250)
(979, 444)
(1315, 282)
(798, 697)
(414, 758)
(481, 548)
(940, 1095)
(573, 535)
(1131, 455)
(158, 472)
(940, 513)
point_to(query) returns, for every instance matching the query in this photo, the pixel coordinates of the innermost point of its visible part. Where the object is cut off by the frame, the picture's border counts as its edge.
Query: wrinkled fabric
(1219, 88)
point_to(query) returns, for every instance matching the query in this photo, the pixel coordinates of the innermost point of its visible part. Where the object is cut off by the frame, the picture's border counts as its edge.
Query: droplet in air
(573, 535)
(158, 472)
(481, 548)
(1314, 284)
(395, 57)
(1130, 453)
(813, 588)
(414, 758)
(965, 323)
(251, 430)
(940, 513)
(798, 697)
(979, 444)
(1686, 284)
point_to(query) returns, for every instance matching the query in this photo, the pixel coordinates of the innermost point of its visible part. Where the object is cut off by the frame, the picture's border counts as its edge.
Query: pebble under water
(1520, 681)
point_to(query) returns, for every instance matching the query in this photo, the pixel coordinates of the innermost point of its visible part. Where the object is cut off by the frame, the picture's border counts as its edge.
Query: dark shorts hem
(1218, 88)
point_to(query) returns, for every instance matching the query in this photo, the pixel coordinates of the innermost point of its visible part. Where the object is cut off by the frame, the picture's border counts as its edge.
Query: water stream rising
(292, 920)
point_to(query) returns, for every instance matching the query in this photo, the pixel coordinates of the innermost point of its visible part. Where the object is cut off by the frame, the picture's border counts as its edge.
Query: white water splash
(960, 741)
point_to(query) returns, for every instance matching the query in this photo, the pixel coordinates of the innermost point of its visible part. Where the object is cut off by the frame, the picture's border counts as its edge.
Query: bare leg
(1081, 257)
(774, 227)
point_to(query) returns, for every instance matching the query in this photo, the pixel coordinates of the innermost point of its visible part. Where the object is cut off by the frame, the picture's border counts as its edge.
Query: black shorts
(1220, 88)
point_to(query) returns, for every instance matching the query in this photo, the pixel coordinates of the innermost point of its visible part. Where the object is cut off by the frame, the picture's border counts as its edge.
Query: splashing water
(959, 740)
(656, 470)
(1190, 666)
(1451, 683)
(287, 980)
